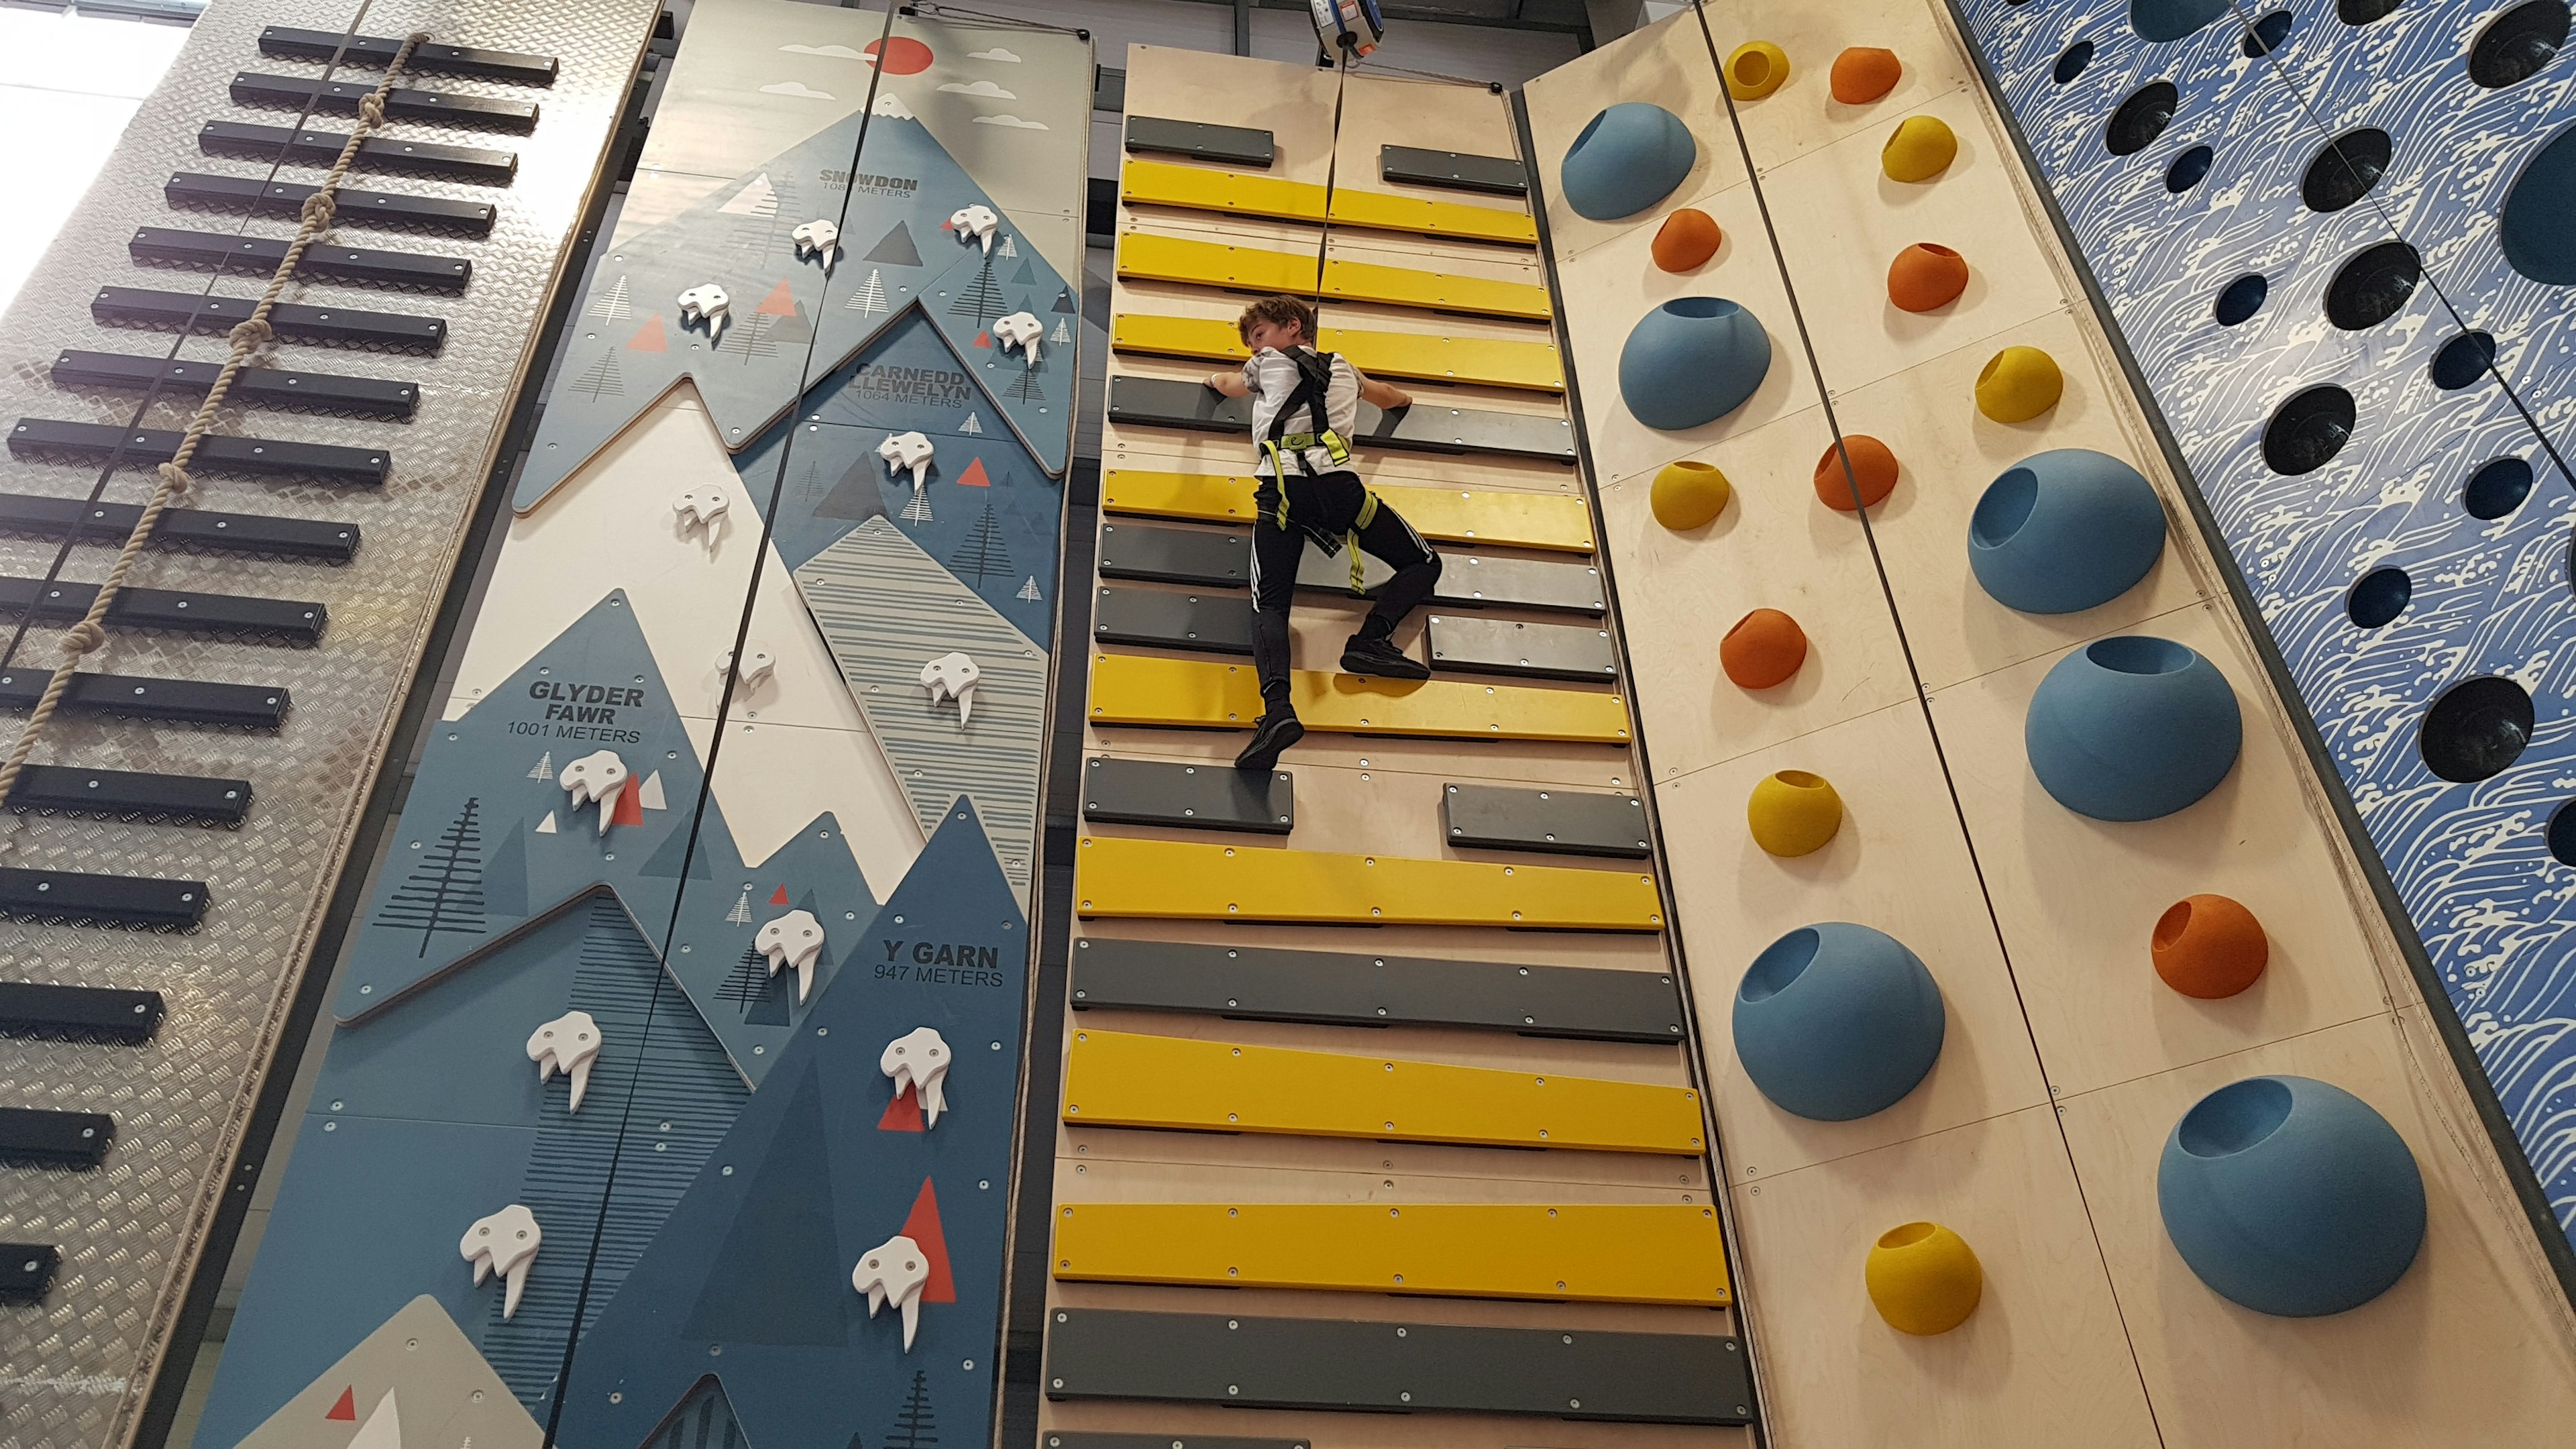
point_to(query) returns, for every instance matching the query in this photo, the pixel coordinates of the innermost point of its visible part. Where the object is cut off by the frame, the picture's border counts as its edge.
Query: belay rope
(247, 336)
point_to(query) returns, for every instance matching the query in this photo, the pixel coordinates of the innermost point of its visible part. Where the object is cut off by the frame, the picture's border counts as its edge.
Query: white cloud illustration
(794, 88)
(890, 104)
(996, 53)
(980, 88)
(1012, 121)
(837, 52)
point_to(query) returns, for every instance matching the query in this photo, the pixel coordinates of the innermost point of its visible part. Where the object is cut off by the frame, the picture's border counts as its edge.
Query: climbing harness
(1314, 379)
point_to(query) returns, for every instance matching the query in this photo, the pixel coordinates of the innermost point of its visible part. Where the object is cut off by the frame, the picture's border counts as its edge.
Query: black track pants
(1321, 507)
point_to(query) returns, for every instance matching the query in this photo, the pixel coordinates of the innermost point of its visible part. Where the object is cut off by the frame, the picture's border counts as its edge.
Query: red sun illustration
(902, 56)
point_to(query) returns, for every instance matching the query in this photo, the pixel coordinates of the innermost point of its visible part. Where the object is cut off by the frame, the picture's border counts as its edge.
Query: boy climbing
(1305, 407)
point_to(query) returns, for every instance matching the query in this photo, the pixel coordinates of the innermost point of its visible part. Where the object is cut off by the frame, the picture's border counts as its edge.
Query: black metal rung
(216, 453)
(382, 209)
(268, 387)
(293, 621)
(188, 528)
(27, 1271)
(102, 900)
(260, 256)
(56, 1139)
(308, 147)
(33, 1007)
(288, 43)
(182, 701)
(291, 322)
(340, 98)
(68, 789)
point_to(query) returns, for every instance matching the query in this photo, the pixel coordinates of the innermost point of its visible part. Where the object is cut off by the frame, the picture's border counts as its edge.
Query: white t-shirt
(1273, 377)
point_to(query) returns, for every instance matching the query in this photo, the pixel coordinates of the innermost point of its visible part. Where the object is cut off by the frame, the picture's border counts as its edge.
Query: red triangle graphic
(923, 1228)
(948, 226)
(630, 807)
(648, 338)
(975, 476)
(347, 1408)
(983, 339)
(779, 303)
(903, 1114)
(778, 897)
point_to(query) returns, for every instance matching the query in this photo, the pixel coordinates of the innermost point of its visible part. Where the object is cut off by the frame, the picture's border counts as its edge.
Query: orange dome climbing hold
(1873, 467)
(1864, 73)
(2209, 947)
(1764, 648)
(1687, 238)
(1926, 277)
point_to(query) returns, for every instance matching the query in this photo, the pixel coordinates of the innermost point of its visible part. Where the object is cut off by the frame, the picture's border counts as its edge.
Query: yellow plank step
(1453, 515)
(1570, 1252)
(1351, 281)
(1124, 1079)
(1415, 355)
(1197, 188)
(1214, 264)
(1384, 211)
(1186, 880)
(1139, 689)
(1147, 257)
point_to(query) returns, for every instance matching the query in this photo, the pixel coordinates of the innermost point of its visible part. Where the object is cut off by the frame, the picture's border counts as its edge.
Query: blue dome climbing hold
(1692, 360)
(2132, 728)
(1630, 157)
(2065, 530)
(1835, 1021)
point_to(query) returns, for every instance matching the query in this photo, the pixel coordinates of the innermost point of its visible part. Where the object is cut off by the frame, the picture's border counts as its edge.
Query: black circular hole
(2538, 225)
(2463, 360)
(2562, 834)
(2241, 299)
(2497, 489)
(2141, 118)
(2071, 64)
(2515, 45)
(2477, 729)
(2345, 170)
(2309, 430)
(2362, 12)
(2379, 597)
(2267, 34)
(2371, 286)
(2187, 169)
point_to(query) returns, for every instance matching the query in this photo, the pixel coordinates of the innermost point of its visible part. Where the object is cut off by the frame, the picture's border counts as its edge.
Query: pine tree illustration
(545, 767)
(748, 979)
(740, 915)
(813, 484)
(982, 300)
(1063, 334)
(1029, 591)
(612, 305)
(1007, 248)
(601, 378)
(971, 427)
(755, 338)
(1024, 388)
(915, 1427)
(983, 551)
(918, 510)
(870, 297)
(445, 891)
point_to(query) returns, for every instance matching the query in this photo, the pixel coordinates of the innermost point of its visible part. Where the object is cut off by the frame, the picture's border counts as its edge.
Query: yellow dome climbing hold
(1793, 812)
(1689, 494)
(1924, 1279)
(2018, 384)
(1921, 148)
(1756, 69)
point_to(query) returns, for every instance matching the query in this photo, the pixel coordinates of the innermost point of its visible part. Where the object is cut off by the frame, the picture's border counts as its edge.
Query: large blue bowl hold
(2132, 728)
(2291, 1196)
(1630, 157)
(1692, 360)
(1835, 1021)
(2065, 530)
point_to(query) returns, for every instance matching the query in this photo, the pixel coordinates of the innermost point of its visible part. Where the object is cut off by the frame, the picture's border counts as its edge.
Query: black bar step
(290, 620)
(251, 256)
(130, 795)
(216, 453)
(135, 696)
(309, 147)
(32, 1007)
(182, 528)
(292, 322)
(288, 43)
(27, 1271)
(56, 1139)
(1456, 170)
(1208, 796)
(1425, 427)
(194, 190)
(104, 900)
(340, 98)
(268, 387)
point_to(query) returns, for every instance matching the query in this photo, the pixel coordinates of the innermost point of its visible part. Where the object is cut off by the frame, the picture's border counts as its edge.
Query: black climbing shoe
(1381, 659)
(1270, 738)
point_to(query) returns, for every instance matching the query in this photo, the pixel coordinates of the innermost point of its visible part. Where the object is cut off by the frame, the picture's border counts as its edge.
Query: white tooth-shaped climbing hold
(895, 1270)
(567, 1044)
(504, 1243)
(919, 1059)
(1022, 330)
(700, 507)
(953, 676)
(907, 453)
(975, 223)
(818, 238)
(707, 305)
(758, 660)
(794, 939)
(596, 776)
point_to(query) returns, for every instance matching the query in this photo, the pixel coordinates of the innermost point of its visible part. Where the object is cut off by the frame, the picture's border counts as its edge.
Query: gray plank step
(1425, 427)
(1233, 145)
(1556, 821)
(1202, 797)
(1456, 170)
(1211, 624)
(1176, 555)
(1222, 558)
(1511, 646)
(1067, 1440)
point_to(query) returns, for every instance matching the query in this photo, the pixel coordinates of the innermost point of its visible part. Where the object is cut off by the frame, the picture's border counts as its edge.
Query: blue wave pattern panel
(2489, 596)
